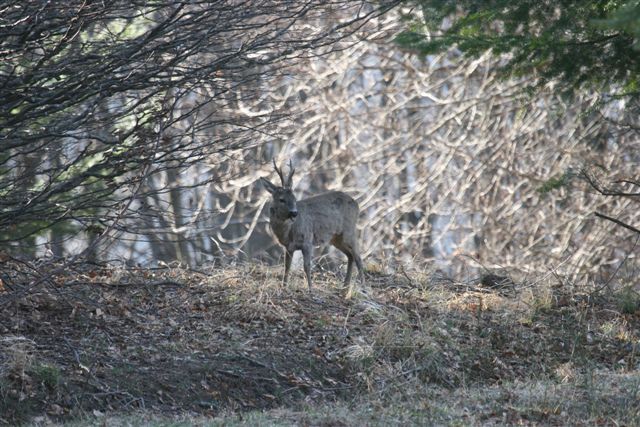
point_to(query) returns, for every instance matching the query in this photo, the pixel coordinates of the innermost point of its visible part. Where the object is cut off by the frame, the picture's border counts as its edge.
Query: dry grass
(233, 347)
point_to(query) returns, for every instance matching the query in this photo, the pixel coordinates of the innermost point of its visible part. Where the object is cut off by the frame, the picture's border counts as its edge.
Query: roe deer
(300, 225)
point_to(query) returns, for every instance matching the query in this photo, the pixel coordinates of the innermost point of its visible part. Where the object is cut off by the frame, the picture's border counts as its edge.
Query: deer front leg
(307, 253)
(288, 256)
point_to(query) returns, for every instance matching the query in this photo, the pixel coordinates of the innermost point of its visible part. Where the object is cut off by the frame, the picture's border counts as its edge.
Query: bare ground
(140, 347)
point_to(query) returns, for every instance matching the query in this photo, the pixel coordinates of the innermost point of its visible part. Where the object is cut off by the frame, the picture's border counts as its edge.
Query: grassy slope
(231, 347)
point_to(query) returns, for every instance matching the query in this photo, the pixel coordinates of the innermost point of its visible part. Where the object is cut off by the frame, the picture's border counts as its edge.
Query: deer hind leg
(351, 257)
(359, 265)
(354, 256)
(347, 279)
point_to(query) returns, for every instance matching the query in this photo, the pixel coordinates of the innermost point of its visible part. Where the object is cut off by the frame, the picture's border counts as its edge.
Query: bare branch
(616, 221)
(607, 191)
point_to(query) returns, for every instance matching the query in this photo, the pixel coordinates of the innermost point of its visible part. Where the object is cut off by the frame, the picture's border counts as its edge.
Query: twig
(616, 221)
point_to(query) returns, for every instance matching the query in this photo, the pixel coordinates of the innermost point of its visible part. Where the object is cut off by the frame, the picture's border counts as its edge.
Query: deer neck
(282, 229)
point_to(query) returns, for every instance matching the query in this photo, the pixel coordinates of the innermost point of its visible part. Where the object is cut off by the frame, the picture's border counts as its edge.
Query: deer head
(283, 203)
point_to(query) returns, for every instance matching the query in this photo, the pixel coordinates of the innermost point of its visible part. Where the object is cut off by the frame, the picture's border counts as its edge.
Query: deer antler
(290, 177)
(284, 184)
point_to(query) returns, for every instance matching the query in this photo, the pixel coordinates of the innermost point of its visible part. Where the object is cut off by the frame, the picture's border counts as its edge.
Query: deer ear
(268, 185)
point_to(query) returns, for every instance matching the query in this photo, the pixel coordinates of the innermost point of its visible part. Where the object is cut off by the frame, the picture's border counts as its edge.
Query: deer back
(327, 215)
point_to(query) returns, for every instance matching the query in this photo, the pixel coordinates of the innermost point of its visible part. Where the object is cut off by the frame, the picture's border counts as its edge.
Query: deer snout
(293, 214)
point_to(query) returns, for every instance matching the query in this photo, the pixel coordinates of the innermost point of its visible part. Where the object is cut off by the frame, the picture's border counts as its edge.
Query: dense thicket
(100, 97)
(569, 48)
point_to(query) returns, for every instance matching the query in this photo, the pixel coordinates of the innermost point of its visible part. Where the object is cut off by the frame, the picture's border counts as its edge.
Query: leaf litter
(178, 341)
